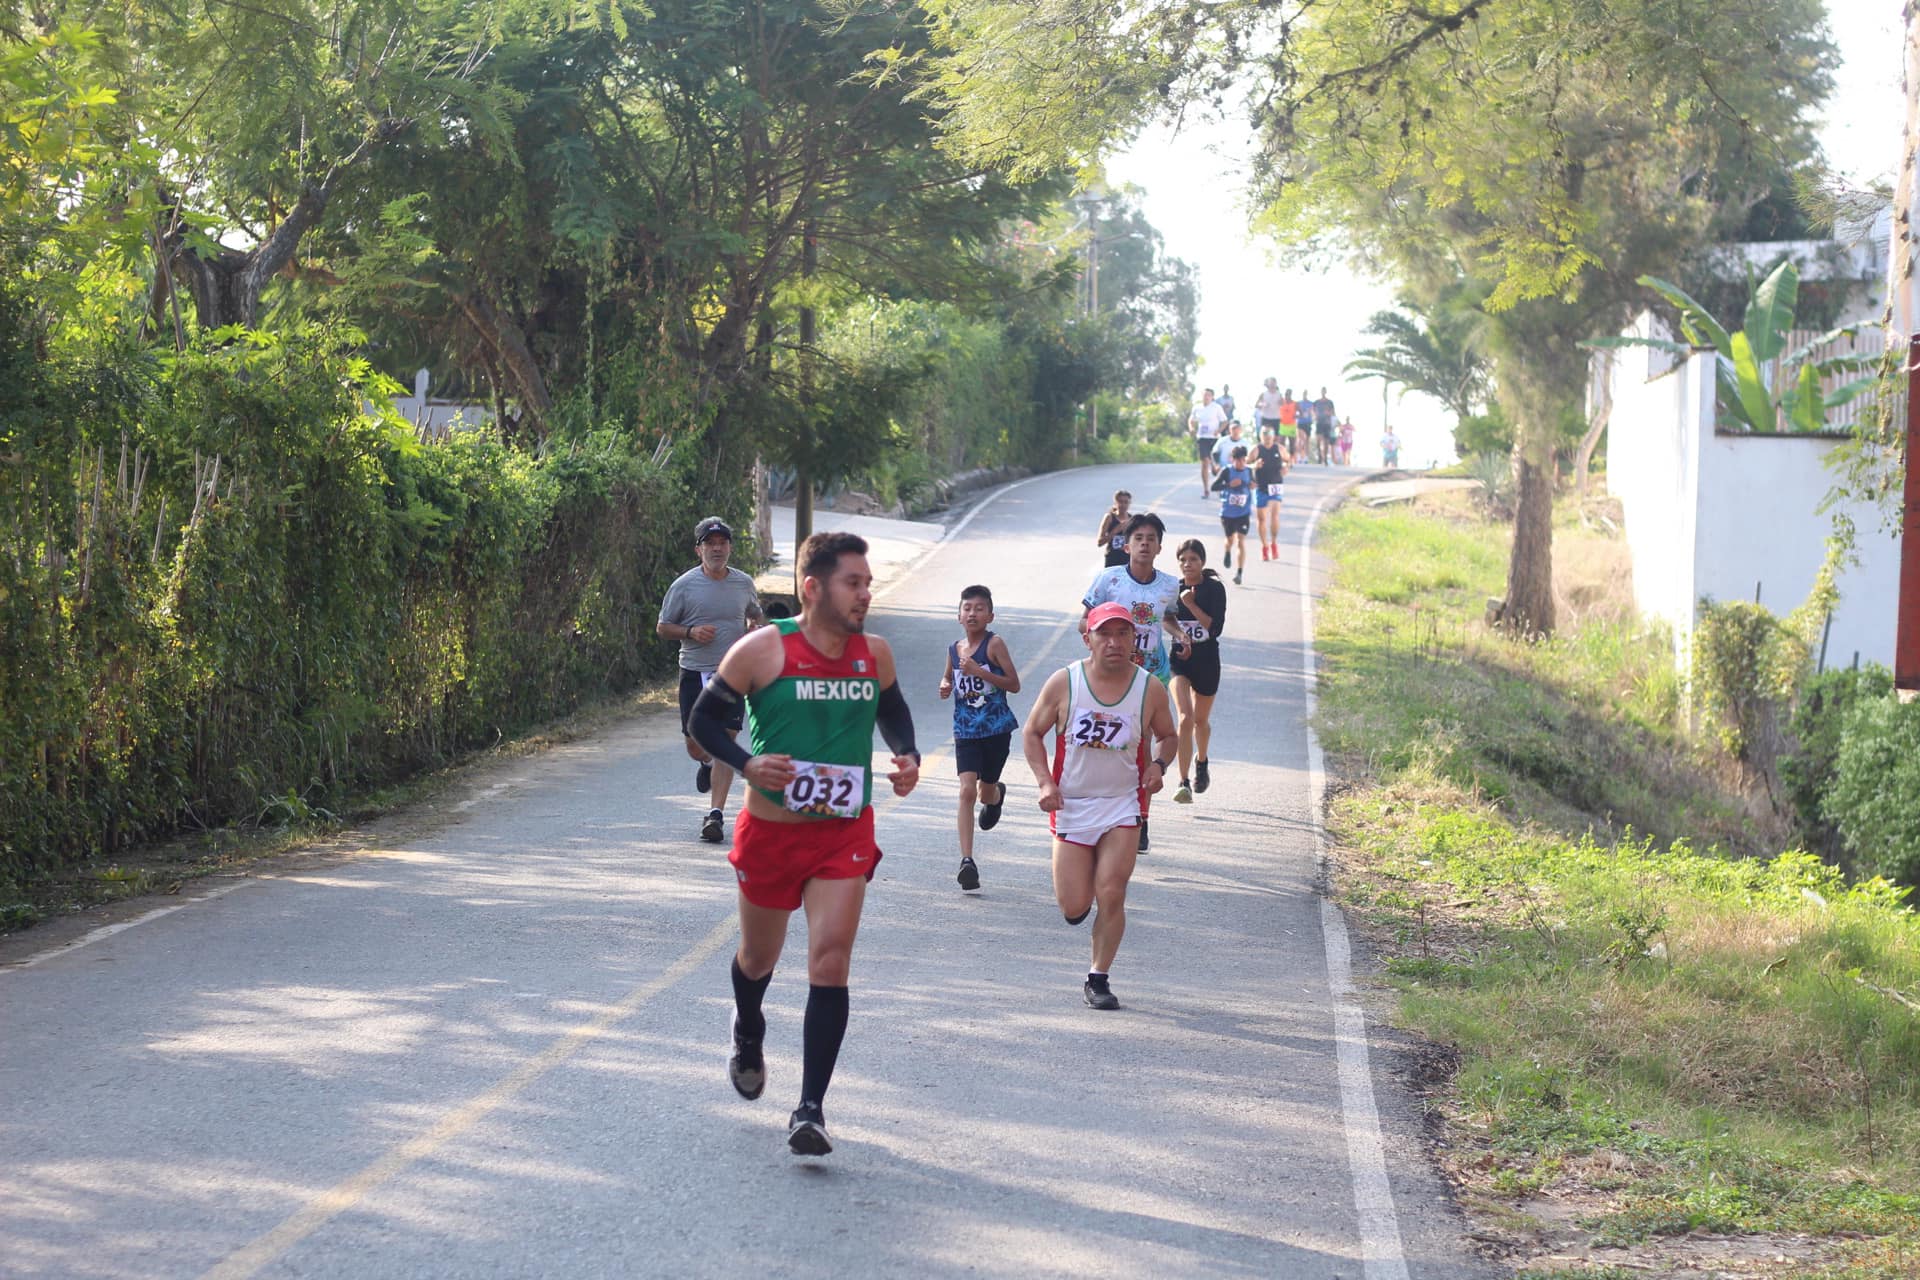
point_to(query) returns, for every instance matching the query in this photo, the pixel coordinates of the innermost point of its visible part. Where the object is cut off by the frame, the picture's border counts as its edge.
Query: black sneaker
(990, 813)
(1236, 577)
(746, 1067)
(1098, 993)
(713, 828)
(1143, 835)
(1200, 779)
(807, 1131)
(969, 876)
(703, 777)
(1227, 561)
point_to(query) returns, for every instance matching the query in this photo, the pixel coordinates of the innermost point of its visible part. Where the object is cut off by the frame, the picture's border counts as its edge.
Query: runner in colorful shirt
(978, 677)
(815, 687)
(1152, 599)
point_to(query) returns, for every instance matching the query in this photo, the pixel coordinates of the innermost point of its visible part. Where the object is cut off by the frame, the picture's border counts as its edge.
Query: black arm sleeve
(708, 724)
(896, 722)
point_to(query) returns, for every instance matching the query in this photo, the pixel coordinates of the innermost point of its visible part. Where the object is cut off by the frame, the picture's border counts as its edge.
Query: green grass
(1564, 889)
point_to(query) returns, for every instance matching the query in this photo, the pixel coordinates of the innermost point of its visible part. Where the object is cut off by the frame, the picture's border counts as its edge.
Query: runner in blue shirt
(1235, 487)
(979, 676)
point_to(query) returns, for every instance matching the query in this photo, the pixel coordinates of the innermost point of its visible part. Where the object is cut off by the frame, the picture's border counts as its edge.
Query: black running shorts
(984, 756)
(1203, 445)
(1201, 667)
(1235, 524)
(690, 686)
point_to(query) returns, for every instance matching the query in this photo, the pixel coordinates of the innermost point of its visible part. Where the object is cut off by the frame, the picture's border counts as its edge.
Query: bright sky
(1302, 326)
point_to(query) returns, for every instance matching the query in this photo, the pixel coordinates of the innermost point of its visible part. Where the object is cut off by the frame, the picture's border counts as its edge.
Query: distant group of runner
(810, 691)
(1305, 430)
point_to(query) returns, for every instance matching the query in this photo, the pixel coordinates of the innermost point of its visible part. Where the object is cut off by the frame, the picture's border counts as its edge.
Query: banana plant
(1747, 400)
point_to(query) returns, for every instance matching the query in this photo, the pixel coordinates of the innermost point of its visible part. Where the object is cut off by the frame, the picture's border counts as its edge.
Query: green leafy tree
(1550, 153)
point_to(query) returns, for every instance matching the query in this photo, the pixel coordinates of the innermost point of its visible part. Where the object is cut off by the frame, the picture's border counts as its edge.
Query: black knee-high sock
(826, 1026)
(747, 995)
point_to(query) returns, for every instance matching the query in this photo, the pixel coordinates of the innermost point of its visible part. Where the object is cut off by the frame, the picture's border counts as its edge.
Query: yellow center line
(346, 1194)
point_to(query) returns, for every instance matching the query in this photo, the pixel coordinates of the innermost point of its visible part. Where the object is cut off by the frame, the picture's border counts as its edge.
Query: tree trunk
(1600, 406)
(506, 351)
(1528, 609)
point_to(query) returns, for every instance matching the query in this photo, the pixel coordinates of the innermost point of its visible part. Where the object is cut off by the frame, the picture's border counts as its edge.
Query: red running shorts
(774, 860)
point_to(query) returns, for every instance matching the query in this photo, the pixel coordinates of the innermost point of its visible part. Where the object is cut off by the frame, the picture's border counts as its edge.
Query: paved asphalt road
(495, 1047)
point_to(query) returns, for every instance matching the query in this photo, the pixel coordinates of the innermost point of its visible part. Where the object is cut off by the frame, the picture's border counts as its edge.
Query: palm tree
(1435, 351)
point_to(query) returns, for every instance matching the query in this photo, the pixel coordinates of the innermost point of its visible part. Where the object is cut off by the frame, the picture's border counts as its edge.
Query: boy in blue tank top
(979, 676)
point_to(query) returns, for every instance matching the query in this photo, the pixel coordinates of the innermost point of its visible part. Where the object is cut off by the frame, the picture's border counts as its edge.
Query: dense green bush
(1819, 720)
(1874, 801)
(222, 583)
(1745, 665)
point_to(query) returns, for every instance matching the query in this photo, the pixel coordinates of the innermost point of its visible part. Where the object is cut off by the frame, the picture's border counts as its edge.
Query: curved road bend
(498, 1049)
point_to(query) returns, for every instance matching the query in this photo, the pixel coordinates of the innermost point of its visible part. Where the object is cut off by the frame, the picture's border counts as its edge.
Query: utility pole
(1903, 304)
(803, 480)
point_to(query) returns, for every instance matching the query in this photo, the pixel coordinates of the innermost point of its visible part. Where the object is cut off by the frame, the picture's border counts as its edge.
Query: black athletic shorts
(1235, 524)
(1116, 558)
(984, 756)
(1201, 667)
(1203, 445)
(690, 687)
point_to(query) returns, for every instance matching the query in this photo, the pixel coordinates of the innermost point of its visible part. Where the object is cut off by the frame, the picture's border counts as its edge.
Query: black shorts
(1324, 430)
(1203, 445)
(1235, 524)
(1116, 558)
(690, 687)
(1201, 667)
(984, 756)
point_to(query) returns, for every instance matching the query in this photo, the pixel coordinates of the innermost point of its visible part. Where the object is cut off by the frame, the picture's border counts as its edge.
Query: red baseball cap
(1111, 611)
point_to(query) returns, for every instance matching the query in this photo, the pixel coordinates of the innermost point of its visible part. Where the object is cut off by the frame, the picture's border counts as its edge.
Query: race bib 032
(827, 790)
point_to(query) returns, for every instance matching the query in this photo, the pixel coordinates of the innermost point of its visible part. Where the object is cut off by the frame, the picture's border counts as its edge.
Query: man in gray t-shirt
(706, 609)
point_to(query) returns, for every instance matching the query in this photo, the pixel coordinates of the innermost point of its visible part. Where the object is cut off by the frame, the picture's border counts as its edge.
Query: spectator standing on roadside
(1113, 528)
(706, 609)
(1204, 425)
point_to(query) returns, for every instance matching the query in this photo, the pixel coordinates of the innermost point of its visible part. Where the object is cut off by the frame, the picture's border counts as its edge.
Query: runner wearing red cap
(1102, 711)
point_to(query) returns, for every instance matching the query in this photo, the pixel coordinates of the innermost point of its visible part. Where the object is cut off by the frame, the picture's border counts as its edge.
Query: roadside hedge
(226, 590)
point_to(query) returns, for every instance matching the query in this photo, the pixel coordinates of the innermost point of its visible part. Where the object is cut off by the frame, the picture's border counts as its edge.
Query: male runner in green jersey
(815, 687)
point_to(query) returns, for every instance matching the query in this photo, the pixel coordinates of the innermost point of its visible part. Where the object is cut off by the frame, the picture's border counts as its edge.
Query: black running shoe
(1236, 577)
(746, 1067)
(807, 1131)
(1098, 993)
(1143, 835)
(990, 813)
(969, 876)
(713, 828)
(1200, 779)
(703, 777)
(1227, 562)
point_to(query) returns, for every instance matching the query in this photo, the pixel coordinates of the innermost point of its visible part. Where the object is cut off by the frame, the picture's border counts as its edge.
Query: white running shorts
(1084, 819)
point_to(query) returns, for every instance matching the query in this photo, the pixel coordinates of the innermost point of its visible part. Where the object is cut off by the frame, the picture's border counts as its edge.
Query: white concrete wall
(1711, 514)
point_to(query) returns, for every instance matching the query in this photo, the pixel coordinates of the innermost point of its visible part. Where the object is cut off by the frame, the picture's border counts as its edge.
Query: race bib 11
(827, 790)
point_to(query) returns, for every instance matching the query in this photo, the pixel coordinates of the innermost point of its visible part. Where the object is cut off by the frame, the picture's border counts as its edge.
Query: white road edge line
(1382, 1254)
(907, 570)
(108, 930)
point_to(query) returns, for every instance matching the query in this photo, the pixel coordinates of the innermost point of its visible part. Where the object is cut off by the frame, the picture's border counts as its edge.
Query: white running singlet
(1098, 755)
